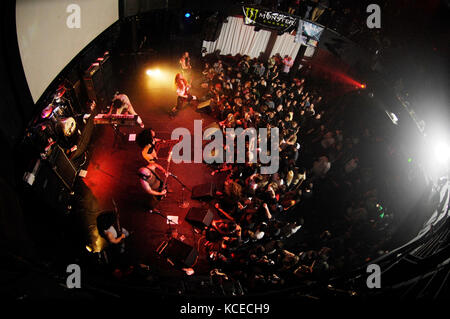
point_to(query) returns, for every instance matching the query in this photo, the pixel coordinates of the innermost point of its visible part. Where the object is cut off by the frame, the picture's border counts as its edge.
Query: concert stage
(112, 173)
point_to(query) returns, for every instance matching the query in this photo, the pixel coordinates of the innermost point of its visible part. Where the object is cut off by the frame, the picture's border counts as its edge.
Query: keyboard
(119, 119)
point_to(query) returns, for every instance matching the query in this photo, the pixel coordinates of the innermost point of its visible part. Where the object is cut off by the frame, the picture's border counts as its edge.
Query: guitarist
(109, 226)
(151, 182)
(185, 63)
(147, 141)
(183, 94)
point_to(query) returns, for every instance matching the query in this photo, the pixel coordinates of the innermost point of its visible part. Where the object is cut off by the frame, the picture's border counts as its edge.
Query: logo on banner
(269, 19)
(250, 15)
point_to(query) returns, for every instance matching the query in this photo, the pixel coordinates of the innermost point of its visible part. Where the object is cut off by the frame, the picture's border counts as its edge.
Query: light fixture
(153, 72)
(441, 151)
(392, 117)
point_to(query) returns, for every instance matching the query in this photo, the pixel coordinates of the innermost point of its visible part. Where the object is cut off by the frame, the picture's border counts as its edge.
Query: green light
(382, 215)
(409, 160)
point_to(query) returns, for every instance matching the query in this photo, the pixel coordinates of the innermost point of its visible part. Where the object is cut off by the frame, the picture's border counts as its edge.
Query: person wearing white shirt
(287, 64)
(122, 104)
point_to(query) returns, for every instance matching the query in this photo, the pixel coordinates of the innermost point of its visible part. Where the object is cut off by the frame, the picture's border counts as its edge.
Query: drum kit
(58, 113)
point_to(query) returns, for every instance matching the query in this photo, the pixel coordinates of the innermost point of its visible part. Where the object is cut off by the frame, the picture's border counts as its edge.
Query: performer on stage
(147, 140)
(122, 105)
(109, 228)
(151, 182)
(185, 63)
(182, 92)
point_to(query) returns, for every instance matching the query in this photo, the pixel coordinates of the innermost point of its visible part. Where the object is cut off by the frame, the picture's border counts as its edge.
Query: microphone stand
(169, 221)
(182, 203)
(179, 181)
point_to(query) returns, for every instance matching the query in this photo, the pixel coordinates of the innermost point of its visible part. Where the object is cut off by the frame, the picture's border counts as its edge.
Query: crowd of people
(317, 215)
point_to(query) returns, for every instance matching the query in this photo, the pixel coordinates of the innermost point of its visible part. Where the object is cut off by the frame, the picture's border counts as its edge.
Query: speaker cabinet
(199, 217)
(63, 167)
(178, 253)
(109, 84)
(100, 81)
(94, 85)
(203, 191)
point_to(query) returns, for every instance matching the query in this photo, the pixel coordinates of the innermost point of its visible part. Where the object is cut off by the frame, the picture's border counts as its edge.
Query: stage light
(362, 86)
(187, 14)
(153, 72)
(392, 117)
(442, 151)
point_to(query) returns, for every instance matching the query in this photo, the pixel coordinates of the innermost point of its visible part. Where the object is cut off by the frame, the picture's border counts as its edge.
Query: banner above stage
(268, 19)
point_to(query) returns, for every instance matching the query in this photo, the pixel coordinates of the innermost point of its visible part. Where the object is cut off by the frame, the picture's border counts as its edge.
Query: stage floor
(112, 174)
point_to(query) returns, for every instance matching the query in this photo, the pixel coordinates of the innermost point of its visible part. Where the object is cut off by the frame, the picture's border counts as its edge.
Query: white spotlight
(442, 152)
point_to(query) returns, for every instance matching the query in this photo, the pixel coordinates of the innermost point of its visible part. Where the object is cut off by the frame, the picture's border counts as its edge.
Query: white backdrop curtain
(285, 45)
(236, 37)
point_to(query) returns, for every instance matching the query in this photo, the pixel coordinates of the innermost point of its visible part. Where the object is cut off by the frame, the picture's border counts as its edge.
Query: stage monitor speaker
(178, 253)
(204, 106)
(203, 191)
(199, 217)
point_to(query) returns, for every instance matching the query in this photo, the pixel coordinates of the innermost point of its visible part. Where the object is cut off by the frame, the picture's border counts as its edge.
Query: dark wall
(16, 108)
(17, 104)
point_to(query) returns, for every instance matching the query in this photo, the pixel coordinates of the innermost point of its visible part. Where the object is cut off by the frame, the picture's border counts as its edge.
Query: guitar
(116, 211)
(164, 183)
(150, 150)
